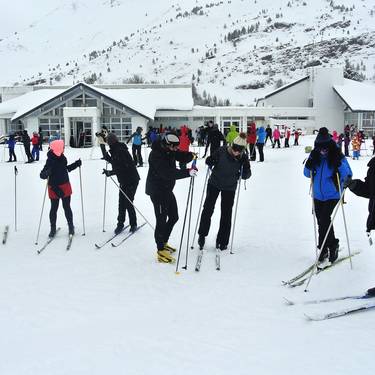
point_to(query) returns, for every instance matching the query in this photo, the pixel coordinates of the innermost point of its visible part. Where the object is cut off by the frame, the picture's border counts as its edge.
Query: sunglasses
(237, 148)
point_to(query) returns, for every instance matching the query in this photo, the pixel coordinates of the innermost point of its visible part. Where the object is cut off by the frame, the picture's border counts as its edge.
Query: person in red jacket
(35, 143)
(251, 140)
(287, 136)
(184, 142)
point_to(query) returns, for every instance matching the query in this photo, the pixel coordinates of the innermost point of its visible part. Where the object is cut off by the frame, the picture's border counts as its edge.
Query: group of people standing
(22, 136)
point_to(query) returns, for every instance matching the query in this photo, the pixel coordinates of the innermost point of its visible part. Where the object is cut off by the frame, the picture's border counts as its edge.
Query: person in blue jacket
(261, 138)
(327, 167)
(11, 145)
(137, 146)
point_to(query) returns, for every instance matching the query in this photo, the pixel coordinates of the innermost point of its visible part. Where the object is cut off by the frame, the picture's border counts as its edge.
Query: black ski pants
(12, 155)
(323, 212)
(227, 200)
(276, 142)
(166, 213)
(137, 154)
(260, 150)
(67, 210)
(124, 204)
(268, 137)
(27, 152)
(252, 151)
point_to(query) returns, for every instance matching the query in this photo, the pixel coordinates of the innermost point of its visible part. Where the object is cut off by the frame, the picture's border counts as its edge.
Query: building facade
(76, 113)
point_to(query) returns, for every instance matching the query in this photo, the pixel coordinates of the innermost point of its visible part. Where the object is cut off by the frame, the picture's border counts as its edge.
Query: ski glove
(107, 172)
(45, 173)
(78, 163)
(349, 183)
(193, 172)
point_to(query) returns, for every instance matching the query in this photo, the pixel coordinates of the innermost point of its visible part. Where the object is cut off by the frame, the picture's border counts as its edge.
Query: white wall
(32, 125)
(294, 96)
(2, 126)
(139, 121)
(330, 109)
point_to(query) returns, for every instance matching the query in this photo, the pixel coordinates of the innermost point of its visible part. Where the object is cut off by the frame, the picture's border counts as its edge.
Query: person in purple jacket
(327, 167)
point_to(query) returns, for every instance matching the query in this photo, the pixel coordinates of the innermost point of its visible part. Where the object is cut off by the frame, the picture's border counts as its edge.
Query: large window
(351, 118)
(84, 101)
(368, 123)
(121, 126)
(51, 127)
(226, 122)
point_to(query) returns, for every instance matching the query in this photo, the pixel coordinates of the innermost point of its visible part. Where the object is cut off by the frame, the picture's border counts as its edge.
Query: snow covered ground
(118, 311)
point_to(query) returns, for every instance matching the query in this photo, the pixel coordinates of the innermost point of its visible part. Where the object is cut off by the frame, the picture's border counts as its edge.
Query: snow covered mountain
(225, 47)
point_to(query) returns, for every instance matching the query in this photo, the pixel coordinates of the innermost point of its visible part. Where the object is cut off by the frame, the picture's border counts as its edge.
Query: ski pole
(105, 197)
(200, 207)
(15, 198)
(313, 212)
(235, 212)
(324, 241)
(135, 207)
(191, 208)
(183, 225)
(83, 212)
(41, 214)
(343, 215)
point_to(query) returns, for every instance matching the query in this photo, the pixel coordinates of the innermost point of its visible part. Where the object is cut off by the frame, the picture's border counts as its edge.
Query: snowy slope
(166, 41)
(119, 311)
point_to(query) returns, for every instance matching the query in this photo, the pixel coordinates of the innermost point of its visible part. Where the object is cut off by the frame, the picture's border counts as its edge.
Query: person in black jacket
(161, 178)
(123, 167)
(214, 138)
(56, 171)
(25, 139)
(228, 164)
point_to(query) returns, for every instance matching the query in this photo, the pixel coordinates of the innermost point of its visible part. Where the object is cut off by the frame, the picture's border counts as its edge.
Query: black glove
(45, 173)
(58, 191)
(107, 172)
(313, 159)
(349, 183)
(247, 175)
(78, 163)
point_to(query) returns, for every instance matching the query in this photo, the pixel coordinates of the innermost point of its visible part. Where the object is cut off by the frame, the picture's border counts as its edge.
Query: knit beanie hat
(240, 140)
(323, 138)
(111, 139)
(57, 147)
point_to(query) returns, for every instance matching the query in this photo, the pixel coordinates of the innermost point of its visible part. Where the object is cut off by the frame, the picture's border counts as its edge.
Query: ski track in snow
(119, 311)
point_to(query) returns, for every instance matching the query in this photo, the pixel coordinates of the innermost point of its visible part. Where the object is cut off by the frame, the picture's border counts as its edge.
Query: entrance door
(80, 133)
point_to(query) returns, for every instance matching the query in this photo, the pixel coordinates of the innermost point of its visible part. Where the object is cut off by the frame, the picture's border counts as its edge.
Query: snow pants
(323, 212)
(124, 204)
(67, 210)
(166, 213)
(260, 150)
(137, 155)
(252, 152)
(227, 200)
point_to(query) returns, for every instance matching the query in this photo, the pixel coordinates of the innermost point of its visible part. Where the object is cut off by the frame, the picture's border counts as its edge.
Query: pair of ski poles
(189, 202)
(339, 203)
(44, 199)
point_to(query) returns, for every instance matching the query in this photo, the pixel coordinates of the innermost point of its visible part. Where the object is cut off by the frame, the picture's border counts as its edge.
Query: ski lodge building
(321, 98)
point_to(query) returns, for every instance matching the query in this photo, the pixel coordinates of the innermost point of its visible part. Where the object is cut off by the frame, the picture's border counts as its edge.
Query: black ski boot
(71, 229)
(371, 292)
(133, 228)
(334, 251)
(223, 247)
(52, 232)
(323, 255)
(201, 241)
(119, 228)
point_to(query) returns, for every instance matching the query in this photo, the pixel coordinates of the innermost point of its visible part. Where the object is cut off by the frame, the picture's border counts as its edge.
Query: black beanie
(323, 138)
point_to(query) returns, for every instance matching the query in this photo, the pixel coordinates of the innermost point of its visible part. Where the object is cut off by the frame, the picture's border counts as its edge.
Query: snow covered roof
(24, 103)
(148, 100)
(145, 101)
(358, 96)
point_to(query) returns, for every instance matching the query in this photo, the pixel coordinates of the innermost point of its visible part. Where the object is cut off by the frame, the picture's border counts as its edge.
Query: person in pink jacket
(335, 136)
(276, 138)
